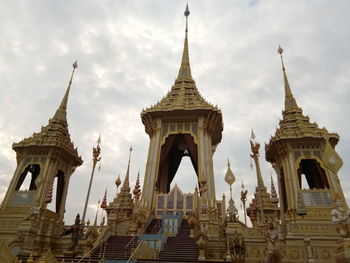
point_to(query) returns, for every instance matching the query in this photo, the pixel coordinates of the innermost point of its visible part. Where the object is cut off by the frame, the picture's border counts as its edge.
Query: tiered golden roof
(56, 133)
(184, 98)
(295, 125)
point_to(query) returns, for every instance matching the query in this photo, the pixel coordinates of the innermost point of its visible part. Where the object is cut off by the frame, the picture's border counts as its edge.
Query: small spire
(289, 101)
(104, 201)
(126, 180)
(61, 112)
(252, 135)
(185, 69)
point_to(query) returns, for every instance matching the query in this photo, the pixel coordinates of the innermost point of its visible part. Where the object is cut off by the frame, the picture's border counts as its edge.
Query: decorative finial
(229, 177)
(185, 69)
(75, 64)
(289, 102)
(280, 50)
(252, 135)
(99, 140)
(118, 181)
(61, 112)
(187, 11)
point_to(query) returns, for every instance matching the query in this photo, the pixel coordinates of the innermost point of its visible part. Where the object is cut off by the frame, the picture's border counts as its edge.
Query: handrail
(88, 253)
(156, 226)
(103, 240)
(133, 253)
(133, 237)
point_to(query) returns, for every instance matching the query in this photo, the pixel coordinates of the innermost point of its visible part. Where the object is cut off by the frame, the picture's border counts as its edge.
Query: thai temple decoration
(117, 183)
(244, 193)
(49, 158)
(137, 190)
(95, 159)
(162, 223)
(263, 207)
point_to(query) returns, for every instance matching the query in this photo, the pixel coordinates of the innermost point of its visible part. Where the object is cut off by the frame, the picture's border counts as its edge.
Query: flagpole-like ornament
(280, 50)
(75, 64)
(187, 11)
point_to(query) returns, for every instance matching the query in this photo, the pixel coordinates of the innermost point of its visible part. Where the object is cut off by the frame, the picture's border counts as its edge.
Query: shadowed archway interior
(175, 147)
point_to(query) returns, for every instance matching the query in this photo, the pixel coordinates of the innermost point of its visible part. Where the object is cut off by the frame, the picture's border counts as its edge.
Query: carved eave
(213, 123)
(54, 135)
(295, 128)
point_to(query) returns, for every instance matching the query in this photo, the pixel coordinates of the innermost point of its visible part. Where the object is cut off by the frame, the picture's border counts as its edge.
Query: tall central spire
(61, 112)
(185, 69)
(289, 101)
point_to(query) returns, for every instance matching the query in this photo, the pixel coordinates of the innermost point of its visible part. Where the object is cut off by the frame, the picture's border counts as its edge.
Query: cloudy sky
(129, 53)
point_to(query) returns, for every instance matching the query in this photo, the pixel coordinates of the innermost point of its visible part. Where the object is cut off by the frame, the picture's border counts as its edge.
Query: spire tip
(280, 50)
(75, 64)
(187, 11)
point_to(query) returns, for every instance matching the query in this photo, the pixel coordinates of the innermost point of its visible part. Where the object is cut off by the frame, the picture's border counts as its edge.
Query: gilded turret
(47, 159)
(56, 133)
(184, 97)
(305, 160)
(124, 202)
(294, 124)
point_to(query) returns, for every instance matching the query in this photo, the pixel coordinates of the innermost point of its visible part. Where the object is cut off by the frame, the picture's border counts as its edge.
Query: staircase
(181, 248)
(154, 226)
(115, 248)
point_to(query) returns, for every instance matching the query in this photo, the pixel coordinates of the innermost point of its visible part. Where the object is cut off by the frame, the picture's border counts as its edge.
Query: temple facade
(306, 220)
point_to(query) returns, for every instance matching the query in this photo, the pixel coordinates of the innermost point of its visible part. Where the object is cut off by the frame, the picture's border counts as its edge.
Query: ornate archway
(175, 147)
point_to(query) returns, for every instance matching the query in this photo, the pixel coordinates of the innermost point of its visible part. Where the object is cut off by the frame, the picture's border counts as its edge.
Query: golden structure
(48, 158)
(263, 206)
(181, 124)
(311, 224)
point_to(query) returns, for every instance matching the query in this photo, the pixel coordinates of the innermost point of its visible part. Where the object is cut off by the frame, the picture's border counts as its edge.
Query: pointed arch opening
(311, 175)
(58, 187)
(27, 179)
(175, 147)
(284, 191)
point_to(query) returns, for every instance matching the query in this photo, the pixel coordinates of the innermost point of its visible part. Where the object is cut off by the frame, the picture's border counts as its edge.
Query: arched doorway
(175, 147)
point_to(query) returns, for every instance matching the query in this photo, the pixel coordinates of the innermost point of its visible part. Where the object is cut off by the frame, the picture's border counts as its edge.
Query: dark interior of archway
(315, 176)
(284, 191)
(175, 147)
(59, 191)
(32, 170)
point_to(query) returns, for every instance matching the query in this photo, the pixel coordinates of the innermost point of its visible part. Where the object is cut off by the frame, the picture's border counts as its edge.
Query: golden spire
(61, 112)
(289, 101)
(185, 69)
(126, 180)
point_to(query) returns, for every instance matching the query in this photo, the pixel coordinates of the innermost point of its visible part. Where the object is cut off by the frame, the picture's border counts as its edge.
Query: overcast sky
(129, 54)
